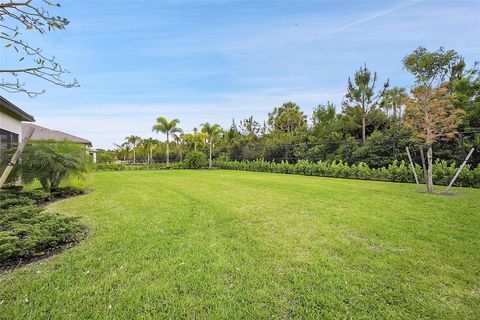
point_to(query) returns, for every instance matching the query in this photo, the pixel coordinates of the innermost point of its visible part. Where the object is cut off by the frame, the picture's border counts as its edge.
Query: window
(7, 140)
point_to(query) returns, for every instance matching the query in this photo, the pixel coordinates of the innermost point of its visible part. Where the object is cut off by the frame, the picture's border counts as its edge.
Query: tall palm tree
(194, 138)
(123, 150)
(199, 139)
(393, 101)
(167, 127)
(213, 132)
(179, 141)
(148, 145)
(133, 141)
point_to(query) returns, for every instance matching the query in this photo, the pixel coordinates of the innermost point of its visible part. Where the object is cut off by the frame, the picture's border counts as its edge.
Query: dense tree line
(373, 124)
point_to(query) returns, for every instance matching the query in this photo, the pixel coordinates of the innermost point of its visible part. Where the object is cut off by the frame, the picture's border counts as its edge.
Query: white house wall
(11, 124)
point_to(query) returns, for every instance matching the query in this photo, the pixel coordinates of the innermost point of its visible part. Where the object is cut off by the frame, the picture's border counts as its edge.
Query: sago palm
(167, 127)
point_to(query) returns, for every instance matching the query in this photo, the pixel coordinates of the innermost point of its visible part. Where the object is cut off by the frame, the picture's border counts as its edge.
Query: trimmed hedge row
(395, 172)
(150, 166)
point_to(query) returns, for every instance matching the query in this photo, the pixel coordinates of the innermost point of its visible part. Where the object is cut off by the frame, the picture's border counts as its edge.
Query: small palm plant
(52, 162)
(213, 132)
(167, 127)
(133, 141)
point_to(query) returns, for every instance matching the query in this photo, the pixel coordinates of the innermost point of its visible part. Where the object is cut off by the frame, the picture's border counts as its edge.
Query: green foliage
(39, 196)
(129, 167)
(432, 67)
(371, 125)
(104, 156)
(165, 126)
(287, 118)
(195, 159)
(27, 230)
(383, 147)
(52, 162)
(362, 102)
(398, 171)
(467, 90)
(17, 201)
(66, 192)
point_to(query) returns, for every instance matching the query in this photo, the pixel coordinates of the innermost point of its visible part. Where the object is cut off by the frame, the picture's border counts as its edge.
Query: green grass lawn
(230, 244)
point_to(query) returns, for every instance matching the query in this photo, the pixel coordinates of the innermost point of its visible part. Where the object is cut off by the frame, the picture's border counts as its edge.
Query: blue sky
(213, 61)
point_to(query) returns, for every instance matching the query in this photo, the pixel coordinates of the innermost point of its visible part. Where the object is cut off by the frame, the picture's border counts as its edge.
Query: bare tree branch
(16, 16)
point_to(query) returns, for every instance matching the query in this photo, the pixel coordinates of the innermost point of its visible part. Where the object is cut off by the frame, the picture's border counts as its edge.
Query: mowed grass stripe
(217, 244)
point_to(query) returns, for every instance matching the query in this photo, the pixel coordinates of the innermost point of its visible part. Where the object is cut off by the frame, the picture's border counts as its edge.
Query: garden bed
(28, 232)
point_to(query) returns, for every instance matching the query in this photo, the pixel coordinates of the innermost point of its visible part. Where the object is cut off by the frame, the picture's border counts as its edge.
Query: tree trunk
(55, 181)
(44, 184)
(210, 156)
(54, 184)
(134, 158)
(430, 169)
(364, 139)
(168, 151)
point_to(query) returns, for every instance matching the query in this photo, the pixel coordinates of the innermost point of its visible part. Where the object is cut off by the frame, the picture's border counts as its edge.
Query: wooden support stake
(460, 169)
(413, 166)
(15, 157)
(423, 164)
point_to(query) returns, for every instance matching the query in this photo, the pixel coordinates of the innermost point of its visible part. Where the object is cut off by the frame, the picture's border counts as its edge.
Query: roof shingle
(42, 133)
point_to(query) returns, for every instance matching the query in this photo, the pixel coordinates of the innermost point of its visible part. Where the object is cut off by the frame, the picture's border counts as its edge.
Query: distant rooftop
(9, 108)
(42, 133)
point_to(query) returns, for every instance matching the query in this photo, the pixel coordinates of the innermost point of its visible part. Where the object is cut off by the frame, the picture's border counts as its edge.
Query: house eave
(15, 111)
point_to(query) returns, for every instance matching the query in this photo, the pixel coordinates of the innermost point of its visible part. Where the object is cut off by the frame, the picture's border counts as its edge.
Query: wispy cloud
(217, 60)
(297, 44)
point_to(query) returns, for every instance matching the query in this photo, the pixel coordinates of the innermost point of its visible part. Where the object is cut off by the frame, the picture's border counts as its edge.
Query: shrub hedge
(27, 230)
(150, 166)
(395, 172)
(195, 160)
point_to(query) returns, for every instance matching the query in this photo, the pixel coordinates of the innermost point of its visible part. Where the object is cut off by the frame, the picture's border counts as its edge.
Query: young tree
(361, 95)
(326, 123)
(213, 132)
(167, 127)
(287, 118)
(134, 140)
(25, 60)
(233, 133)
(430, 112)
(250, 127)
